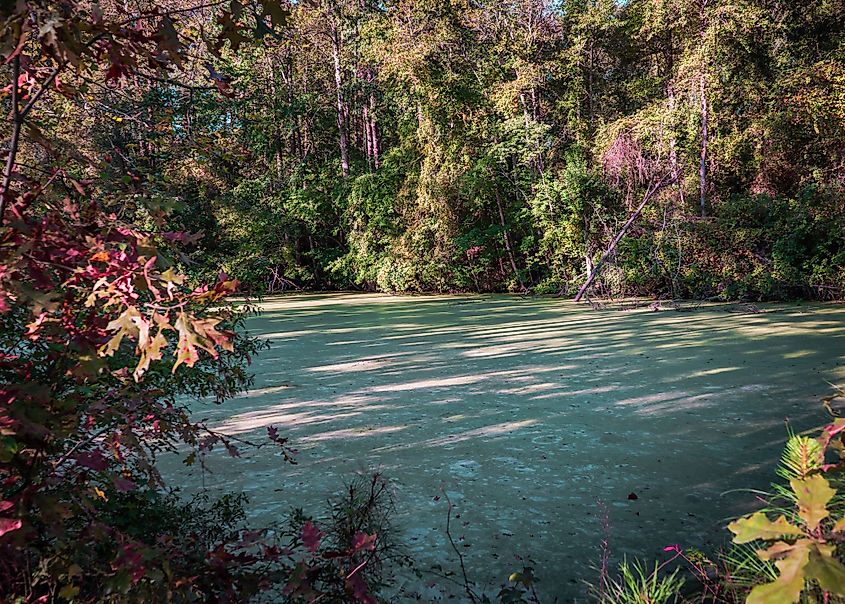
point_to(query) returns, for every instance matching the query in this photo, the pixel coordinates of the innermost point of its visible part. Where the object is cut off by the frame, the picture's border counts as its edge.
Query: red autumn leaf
(311, 536)
(363, 541)
(232, 450)
(359, 589)
(94, 460)
(123, 485)
(224, 88)
(209, 336)
(7, 525)
(186, 350)
(182, 237)
(116, 71)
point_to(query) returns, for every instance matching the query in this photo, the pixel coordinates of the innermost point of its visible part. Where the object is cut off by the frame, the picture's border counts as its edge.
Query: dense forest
(457, 145)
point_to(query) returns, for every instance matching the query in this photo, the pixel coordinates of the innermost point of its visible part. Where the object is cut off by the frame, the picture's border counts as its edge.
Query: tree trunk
(652, 190)
(588, 257)
(342, 111)
(306, 120)
(374, 130)
(527, 121)
(702, 165)
(590, 87)
(673, 147)
(365, 126)
(507, 238)
(17, 124)
(535, 109)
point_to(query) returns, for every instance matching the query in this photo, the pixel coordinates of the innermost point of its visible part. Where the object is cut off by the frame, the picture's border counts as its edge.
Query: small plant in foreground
(637, 585)
(343, 557)
(802, 539)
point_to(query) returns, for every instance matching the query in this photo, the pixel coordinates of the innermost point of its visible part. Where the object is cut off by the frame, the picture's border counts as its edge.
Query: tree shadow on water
(529, 412)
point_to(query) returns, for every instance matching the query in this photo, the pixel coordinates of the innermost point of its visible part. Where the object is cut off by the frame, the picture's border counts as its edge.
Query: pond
(549, 425)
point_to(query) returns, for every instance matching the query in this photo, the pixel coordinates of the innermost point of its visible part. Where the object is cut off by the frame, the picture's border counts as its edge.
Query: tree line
(467, 145)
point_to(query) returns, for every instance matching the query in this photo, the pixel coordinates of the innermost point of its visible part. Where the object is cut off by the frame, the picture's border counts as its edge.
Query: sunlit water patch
(528, 413)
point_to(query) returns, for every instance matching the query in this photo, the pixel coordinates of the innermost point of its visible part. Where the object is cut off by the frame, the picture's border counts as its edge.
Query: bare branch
(17, 122)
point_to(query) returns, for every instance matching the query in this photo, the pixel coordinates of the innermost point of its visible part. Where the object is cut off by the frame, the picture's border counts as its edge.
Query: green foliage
(638, 585)
(571, 212)
(433, 145)
(779, 247)
(802, 543)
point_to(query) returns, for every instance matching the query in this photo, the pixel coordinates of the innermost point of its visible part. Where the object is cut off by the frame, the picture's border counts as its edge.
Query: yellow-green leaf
(827, 570)
(152, 352)
(124, 325)
(779, 549)
(813, 494)
(758, 526)
(786, 589)
(186, 349)
(69, 592)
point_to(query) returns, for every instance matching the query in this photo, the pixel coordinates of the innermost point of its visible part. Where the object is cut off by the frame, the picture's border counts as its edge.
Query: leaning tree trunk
(653, 189)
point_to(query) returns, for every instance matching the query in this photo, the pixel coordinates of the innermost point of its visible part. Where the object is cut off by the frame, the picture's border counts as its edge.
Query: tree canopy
(449, 145)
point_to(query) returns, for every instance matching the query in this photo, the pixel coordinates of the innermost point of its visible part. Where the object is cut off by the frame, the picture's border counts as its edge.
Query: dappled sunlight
(529, 411)
(352, 433)
(578, 393)
(252, 421)
(797, 354)
(431, 383)
(260, 392)
(485, 434)
(714, 371)
(352, 366)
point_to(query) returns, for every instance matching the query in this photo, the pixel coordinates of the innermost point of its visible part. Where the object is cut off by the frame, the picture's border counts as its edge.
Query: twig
(17, 122)
(472, 596)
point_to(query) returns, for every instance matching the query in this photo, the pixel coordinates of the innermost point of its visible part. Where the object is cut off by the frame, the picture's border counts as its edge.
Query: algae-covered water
(534, 415)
